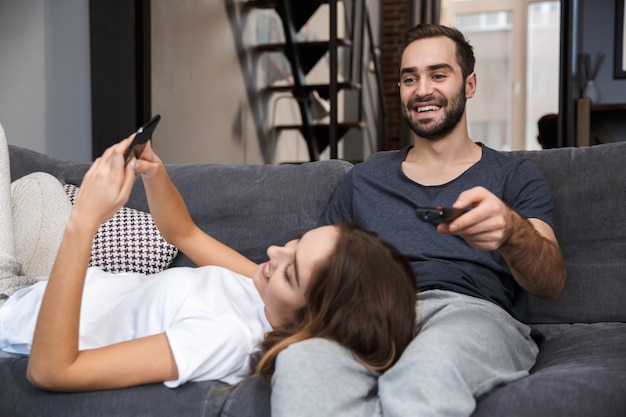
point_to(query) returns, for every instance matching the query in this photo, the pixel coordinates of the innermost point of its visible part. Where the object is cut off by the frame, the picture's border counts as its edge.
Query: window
(516, 43)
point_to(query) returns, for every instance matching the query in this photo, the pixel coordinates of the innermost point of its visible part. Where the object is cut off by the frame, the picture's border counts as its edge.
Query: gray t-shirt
(377, 195)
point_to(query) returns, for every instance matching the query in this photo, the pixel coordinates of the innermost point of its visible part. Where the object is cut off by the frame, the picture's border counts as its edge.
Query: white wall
(45, 98)
(198, 87)
(197, 82)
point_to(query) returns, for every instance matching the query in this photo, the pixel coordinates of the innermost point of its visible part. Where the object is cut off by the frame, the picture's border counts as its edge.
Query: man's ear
(470, 85)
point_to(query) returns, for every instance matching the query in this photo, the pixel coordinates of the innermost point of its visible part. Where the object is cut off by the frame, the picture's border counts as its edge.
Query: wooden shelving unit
(589, 121)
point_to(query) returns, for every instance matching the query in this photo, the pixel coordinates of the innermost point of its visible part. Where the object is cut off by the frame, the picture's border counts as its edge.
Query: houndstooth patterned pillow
(128, 242)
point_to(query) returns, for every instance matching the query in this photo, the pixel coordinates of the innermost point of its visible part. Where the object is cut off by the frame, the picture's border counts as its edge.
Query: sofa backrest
(253, 206)
(24, 162)
(248, 207)
(589, 190)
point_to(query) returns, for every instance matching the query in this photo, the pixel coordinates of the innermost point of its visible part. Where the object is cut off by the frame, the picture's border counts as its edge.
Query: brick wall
(394, 21)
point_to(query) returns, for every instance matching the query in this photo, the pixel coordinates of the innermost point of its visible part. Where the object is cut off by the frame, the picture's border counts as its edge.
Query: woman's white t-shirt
(214, 318)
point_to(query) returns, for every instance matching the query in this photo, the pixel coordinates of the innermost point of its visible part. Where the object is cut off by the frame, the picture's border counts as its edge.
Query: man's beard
(452, 117)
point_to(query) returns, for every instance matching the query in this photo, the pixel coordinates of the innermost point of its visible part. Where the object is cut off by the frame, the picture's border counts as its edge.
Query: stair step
(261, 4)
(322, 89)
(302, 11)
(309, 52)
(270, 4)
(348, 124)
(280, 46)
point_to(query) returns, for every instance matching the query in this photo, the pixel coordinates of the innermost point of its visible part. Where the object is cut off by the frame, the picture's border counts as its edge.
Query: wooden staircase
(303, 56)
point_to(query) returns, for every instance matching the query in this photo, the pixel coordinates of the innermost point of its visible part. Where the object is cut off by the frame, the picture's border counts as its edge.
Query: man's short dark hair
(464, 51)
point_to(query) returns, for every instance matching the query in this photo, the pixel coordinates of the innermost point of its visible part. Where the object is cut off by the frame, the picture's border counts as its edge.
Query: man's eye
(439, 76)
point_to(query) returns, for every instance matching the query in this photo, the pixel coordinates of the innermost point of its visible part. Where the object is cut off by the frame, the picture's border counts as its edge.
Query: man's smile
(422, 109)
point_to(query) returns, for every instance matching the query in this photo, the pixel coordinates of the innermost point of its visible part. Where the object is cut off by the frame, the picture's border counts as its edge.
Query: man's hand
(529, 246)
(488, 225)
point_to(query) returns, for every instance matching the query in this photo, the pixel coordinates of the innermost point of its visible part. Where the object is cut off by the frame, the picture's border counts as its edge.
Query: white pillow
(128, 242)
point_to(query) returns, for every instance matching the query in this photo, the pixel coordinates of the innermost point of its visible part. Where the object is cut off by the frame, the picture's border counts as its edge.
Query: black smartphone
(438, 214)
(144, 134)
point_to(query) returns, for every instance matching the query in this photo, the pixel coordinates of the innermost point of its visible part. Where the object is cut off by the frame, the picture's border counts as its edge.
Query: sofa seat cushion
(580, 372)
(18, 398)
(251, 397)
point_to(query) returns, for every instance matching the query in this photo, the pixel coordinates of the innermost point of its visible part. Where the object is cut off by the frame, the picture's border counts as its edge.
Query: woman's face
(283, 280)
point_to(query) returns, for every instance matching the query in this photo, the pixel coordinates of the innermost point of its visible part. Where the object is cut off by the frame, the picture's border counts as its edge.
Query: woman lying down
(95, 330)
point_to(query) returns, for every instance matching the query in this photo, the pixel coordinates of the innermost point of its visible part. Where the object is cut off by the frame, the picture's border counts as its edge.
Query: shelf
(591, 120)
(608, 107)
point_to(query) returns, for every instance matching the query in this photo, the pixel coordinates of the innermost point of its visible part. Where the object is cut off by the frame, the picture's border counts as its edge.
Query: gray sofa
(581, 368)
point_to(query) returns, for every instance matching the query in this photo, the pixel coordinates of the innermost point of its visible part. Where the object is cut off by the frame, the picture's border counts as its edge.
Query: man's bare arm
(534, 257)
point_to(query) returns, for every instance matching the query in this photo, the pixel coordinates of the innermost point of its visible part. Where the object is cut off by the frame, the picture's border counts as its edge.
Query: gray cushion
(248, 207)
(24, 161)
(249, 398)
(20, 399)
(580, 372)
(589, 189)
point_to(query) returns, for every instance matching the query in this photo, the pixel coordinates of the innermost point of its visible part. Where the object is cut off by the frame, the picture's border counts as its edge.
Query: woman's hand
(55, 362)
(105, 187)
(148, 164)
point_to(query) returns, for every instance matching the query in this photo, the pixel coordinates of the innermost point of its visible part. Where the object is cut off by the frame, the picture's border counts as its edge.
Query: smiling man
(420, 108)
(473, 272)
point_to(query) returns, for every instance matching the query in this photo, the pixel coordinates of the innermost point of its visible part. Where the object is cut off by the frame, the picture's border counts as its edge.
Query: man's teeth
(427, 108)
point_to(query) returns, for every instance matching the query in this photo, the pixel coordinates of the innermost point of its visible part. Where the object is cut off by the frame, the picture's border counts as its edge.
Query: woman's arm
(55, 361)
(175, 223)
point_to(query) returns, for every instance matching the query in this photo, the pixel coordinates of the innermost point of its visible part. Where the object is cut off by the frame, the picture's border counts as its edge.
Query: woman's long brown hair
(362, 297)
